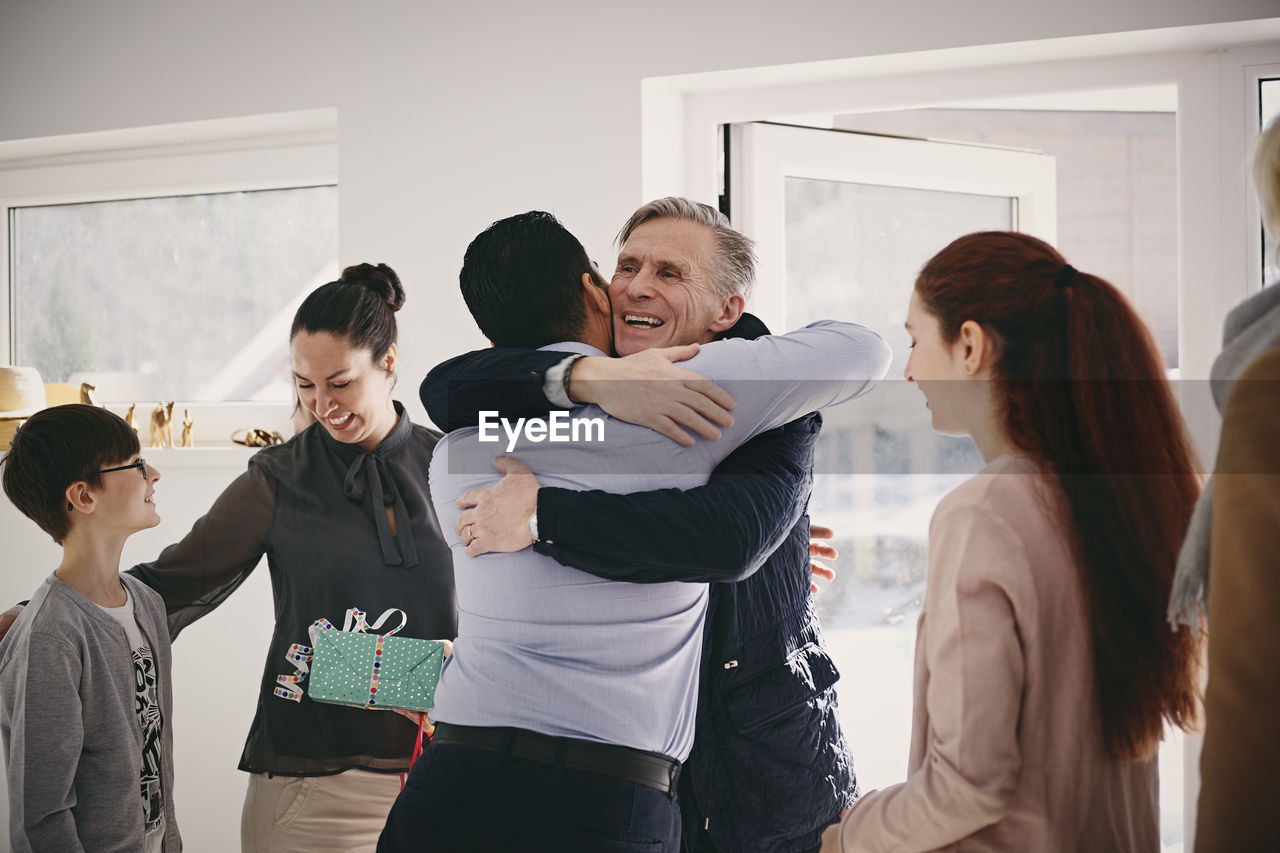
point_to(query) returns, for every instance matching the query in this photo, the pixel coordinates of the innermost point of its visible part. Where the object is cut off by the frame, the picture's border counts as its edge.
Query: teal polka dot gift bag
(356, 667)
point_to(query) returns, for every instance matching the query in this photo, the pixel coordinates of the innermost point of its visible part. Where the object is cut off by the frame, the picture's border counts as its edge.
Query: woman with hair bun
(342, 513)
(1044, 668)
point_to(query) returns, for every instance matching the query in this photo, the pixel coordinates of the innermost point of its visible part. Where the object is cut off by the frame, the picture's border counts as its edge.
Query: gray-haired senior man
(769, 766)
(568, 706)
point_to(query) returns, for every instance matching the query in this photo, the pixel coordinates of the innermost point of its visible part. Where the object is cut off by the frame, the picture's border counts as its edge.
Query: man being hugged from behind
(85, 696)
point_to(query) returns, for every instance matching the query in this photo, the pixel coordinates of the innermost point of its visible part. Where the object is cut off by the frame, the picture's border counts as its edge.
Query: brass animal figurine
(162, 425)
(87, 396)
(188, 440)
(130, 419)
(257, 437)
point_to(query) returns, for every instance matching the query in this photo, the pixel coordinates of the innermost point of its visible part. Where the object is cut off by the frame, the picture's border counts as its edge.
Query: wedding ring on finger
(471, 536)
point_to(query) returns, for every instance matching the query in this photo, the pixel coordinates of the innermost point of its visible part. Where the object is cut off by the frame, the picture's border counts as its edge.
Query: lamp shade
(21, 392)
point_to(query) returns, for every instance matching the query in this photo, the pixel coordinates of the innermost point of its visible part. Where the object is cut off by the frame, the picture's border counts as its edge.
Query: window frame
(1254, 75)
(264, 152)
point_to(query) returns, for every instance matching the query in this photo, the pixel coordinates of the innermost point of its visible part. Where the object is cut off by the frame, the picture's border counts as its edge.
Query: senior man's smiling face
(662, 290)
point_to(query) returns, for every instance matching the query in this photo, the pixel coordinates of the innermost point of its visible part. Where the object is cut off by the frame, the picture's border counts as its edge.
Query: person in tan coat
(1239, 786)
(1044, 670)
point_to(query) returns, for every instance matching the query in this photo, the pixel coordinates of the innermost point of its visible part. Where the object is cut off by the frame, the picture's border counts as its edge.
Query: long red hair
(1084, 393)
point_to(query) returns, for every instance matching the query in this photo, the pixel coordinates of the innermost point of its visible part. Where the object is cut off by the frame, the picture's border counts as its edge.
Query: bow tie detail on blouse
(369, 474)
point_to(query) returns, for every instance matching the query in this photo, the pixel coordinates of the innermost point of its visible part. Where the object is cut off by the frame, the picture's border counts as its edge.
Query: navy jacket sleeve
(723, 531)
(508, 379)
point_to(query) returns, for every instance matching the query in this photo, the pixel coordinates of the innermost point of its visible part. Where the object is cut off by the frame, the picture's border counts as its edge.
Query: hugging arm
(197, 574)
(506, 378)
(645, 388)
(723, 531)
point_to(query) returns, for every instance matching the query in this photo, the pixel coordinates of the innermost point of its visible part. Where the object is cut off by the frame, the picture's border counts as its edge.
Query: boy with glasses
(85, 693)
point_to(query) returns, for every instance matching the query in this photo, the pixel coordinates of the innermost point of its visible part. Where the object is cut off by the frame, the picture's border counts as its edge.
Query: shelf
(225, 456)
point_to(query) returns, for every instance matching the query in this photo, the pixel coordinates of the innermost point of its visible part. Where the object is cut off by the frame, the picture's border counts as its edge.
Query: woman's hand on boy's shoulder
(7, 619)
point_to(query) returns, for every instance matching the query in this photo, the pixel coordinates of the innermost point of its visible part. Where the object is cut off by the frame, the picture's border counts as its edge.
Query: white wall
(449, 118)
(452, 117)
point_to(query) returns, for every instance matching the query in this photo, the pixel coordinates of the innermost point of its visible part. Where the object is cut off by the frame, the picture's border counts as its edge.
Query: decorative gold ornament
(130, 419)
(162, 425)
(257, 437)
(187, 439)
(87, 396)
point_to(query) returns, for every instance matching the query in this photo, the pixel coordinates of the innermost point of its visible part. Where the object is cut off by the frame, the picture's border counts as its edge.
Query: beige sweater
(1006, 744)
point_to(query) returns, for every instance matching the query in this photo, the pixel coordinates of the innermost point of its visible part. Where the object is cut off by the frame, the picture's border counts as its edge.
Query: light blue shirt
(545, 647)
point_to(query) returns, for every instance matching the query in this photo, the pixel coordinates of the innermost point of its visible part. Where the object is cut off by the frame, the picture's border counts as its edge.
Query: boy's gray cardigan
(72, 742)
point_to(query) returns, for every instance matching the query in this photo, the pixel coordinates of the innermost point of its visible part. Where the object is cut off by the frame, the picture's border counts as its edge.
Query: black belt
(619, 762)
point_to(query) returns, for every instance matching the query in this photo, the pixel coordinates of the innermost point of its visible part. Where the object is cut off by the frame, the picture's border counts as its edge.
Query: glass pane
(853, 252)
(180, 297)
(1269, 91)
(1269, 98)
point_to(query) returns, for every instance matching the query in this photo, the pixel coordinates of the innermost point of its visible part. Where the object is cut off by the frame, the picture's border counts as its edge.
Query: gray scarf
(1251, 328)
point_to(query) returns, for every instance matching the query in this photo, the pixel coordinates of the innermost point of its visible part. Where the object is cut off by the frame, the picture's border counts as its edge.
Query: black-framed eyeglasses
(141, 463)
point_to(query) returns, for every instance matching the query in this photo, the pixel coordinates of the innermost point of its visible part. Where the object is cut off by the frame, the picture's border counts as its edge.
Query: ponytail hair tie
(1065, 277)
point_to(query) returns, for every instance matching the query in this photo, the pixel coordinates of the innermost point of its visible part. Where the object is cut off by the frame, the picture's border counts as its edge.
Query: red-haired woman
(1045, 669)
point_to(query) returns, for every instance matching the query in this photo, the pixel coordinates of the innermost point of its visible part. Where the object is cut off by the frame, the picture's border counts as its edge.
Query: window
(165, 263)
(186, 297)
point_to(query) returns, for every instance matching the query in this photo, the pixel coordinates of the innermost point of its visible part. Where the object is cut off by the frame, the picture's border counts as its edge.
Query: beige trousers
(343, 813)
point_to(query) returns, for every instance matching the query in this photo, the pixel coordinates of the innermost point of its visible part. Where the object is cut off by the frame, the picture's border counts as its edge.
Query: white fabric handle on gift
(300, 656)
(355, 621)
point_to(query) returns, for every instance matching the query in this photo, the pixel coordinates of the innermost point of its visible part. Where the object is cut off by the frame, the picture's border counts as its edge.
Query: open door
(844, 221)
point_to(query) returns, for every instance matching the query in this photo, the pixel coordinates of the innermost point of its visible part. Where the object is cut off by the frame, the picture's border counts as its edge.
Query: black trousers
(463, 799)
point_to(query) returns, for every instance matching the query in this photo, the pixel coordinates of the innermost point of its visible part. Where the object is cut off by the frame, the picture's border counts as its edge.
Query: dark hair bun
(381, 279)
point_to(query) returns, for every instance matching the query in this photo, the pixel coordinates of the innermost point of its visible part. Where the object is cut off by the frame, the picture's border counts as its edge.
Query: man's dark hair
(522, 281)
(57, 447)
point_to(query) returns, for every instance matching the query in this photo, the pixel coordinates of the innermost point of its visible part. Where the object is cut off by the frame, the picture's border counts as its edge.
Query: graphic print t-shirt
(146, 704)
